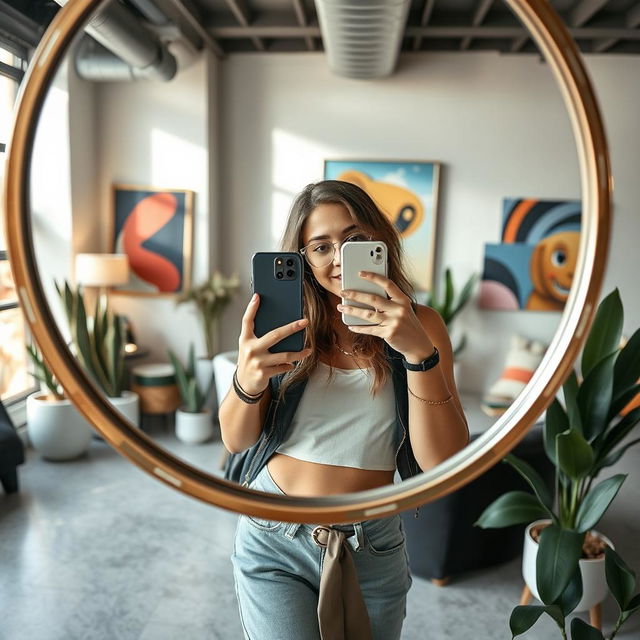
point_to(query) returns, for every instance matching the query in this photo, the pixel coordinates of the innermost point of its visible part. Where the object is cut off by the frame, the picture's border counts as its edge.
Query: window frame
(15, 73)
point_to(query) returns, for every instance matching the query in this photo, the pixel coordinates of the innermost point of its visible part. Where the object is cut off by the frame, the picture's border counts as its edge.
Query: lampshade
(102, 269)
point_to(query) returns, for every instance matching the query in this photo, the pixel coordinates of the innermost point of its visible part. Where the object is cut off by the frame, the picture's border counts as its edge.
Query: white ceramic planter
(204, 372)
(194, 428)
(594, 582)
(224, 364)
(128, 405)
(56, 429)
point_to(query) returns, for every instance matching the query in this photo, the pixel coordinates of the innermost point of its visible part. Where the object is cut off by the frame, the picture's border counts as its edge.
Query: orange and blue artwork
(407, 193)
(534, 265)
(153, 228)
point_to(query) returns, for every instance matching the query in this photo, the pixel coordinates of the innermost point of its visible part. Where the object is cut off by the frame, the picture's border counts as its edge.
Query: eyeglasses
(321, 253)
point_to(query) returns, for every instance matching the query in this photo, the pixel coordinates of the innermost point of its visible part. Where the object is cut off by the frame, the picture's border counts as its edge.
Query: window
(14, 379)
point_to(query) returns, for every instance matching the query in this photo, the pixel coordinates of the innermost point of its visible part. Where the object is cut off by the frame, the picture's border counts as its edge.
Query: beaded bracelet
(432, 402)
(242, 394)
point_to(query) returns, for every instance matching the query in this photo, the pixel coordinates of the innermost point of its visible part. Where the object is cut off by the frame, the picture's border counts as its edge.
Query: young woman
(356, 405)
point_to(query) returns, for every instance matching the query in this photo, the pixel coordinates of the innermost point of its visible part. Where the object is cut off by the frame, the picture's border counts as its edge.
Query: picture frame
(154, 228)
(406, 191)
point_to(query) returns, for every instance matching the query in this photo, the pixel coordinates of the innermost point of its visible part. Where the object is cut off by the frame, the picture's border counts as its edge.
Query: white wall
(497, 123)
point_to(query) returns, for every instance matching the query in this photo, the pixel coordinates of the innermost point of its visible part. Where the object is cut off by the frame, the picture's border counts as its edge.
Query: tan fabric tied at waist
(342, 613)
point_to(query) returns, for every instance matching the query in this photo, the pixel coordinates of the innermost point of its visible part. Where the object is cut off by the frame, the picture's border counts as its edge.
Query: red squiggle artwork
(146, 219)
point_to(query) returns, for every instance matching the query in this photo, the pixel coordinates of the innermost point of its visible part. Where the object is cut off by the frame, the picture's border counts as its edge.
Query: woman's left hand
(395, 321)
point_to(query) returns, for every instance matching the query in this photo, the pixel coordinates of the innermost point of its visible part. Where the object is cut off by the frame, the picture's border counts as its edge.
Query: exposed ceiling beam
(241, 12)
(518, 43)
(301, 17)
(632, 20)
(424, 21)
(584, 11)
(481, 11)
(483, 31)
(196, 24)
(18, 27)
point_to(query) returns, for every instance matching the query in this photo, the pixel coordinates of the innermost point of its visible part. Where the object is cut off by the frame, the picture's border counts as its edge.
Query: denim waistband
(354, 532)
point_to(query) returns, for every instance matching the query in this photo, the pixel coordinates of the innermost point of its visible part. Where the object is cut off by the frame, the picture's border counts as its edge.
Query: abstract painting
(407, 193)
(153, 227)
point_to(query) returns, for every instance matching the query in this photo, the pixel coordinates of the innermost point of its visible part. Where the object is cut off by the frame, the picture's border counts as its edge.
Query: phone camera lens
(279, 275)
(289, 263)
(290, 273)
(378, 249)
(371, 253)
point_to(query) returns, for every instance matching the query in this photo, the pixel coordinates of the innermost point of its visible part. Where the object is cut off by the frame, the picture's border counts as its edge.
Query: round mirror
(197, 174)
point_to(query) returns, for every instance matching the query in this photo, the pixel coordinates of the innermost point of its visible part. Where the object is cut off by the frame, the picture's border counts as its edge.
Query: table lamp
(102, 270)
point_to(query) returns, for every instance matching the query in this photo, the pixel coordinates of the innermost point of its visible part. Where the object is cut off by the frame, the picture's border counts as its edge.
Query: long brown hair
(320, 335)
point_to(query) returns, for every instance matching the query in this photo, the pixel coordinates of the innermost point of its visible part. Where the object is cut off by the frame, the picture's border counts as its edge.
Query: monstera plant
(585, 434)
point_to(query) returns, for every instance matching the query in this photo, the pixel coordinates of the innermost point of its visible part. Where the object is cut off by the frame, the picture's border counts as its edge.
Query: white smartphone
(369, 255)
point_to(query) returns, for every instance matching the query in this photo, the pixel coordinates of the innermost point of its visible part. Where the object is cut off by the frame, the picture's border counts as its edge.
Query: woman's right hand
(256, 364)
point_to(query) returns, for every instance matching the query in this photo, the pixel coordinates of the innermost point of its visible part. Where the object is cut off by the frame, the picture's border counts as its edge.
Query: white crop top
(339, 422)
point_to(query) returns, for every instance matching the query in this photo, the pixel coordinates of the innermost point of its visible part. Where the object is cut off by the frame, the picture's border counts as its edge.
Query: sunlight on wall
(176, 163)
(292, 158)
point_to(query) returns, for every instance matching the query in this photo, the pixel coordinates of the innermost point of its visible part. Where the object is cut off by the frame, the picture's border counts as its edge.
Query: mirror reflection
(191, 177)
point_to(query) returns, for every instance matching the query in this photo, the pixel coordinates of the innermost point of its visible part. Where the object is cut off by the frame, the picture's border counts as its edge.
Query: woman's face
(327, 224)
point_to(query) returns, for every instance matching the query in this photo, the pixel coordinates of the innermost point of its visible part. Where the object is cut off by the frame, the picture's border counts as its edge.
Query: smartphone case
(362, 256)
(280, 300)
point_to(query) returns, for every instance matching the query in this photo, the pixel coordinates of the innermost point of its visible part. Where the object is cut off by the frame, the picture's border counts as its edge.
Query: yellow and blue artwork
(533, 267)
(153, 227)
(407, 193)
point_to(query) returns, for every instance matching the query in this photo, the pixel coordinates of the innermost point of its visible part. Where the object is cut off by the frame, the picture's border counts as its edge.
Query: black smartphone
(277, 278)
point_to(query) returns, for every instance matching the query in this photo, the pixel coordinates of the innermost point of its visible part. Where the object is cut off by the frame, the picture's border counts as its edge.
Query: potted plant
(565, 559)
(448, 305)
(56, 429)
(193, 420)
(211, 298)
(98, 342)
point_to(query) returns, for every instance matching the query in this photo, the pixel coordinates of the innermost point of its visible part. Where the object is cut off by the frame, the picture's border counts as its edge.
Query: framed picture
(153, 227)
(407, 193)
(532, 267)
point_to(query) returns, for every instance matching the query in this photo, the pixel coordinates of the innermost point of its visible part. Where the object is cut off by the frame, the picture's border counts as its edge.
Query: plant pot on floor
(128, 405)
(594, 582)
(194, 428)
(57, 430)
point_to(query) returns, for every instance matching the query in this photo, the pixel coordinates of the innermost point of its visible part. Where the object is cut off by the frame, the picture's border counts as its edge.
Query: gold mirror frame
(561, 53)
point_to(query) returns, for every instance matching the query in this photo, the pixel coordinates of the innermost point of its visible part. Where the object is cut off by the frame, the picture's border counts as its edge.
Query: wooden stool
(595, 613)
(156, 386)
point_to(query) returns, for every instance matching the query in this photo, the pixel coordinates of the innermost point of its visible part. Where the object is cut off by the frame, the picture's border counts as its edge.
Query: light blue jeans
(277, 568)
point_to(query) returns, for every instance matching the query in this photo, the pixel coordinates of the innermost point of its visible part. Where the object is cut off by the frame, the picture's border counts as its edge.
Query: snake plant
(193, 398)
(98, 341)
(42, 373)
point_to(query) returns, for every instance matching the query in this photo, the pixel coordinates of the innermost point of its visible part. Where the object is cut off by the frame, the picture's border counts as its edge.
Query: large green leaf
(620, 578)
(575, 456)
(627, 370)
(570, 597)
(448, 295)
(604, 336)
(613, 457)
(597, 501)
(570, 391)
(556, 421)
(618, 432)
(524, 617)
(465, 294)
(181, 377)
(594, 397)
(514, 507)
(632, 607)
(580, 630)
(558, 553)
(535, 481)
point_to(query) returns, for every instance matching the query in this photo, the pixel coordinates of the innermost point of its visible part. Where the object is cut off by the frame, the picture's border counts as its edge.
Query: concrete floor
(96, 549)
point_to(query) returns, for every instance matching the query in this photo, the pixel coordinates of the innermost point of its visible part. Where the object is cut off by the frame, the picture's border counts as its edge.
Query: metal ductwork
(137, 53)
(362, 38)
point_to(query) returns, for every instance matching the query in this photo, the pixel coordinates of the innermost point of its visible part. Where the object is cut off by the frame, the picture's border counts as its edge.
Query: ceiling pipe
(362, 38)
(117, 29)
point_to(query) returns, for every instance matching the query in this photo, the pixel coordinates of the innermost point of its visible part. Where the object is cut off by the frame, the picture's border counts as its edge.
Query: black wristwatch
(426, 364)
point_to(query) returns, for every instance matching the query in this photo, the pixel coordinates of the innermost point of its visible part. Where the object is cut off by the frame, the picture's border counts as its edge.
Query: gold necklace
(346, 353)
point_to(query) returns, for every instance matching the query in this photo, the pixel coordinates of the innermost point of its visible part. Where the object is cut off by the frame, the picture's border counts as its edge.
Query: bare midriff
(301, 478)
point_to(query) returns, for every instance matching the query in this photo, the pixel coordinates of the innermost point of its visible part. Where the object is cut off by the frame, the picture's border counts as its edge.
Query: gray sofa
(11, 452)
